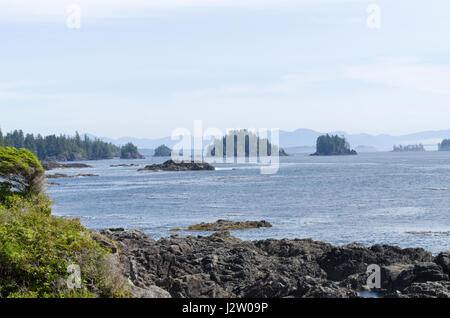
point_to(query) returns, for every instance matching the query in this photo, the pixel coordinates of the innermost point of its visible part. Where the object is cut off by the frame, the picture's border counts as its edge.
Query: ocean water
(370, 198)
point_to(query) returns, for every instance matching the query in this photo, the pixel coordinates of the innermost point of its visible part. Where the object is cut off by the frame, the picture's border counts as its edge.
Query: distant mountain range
(303, 140)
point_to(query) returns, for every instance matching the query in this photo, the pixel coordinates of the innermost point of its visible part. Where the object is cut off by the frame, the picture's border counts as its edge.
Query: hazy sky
(142, 68)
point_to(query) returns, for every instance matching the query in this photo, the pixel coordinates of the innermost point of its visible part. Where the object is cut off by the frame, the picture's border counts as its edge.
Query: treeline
(444, 145)
(409, 148)
(60, 148)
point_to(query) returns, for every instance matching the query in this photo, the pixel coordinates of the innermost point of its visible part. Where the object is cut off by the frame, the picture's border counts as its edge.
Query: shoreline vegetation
(54, 148)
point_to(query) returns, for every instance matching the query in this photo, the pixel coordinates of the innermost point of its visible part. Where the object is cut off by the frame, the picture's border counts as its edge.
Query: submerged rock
(221, 265)
(171, 165)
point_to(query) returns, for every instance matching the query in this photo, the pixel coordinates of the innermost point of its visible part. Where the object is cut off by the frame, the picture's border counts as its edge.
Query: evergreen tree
(61, 147)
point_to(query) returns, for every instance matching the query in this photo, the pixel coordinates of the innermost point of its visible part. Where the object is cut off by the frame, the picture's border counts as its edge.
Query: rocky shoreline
(221, 265)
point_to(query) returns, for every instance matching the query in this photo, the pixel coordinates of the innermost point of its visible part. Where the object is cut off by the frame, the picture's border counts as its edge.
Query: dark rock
(225, 225)
(62, 175)
(423, 290)
(398, 277)
(221, 265)
(309, 287)
(443, 260)
(341, 262)
(171, 165)
(125, 165)
(51, 165)
(282, 153)
(390, 276)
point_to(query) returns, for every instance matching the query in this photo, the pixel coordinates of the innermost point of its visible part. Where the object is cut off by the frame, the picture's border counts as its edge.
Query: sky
(144, 68)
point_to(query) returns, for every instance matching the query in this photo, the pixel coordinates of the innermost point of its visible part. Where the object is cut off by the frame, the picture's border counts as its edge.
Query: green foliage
(36, 248)
(20, 171)
(332, 145)
(61, 148)
(444, 145)
(163, 151)
(129, 151)
(2, 139)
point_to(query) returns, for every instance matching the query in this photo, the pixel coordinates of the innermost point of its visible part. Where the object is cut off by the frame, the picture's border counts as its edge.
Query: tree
(2, 140)
(61, 147)
(20, 171)
(444, 145)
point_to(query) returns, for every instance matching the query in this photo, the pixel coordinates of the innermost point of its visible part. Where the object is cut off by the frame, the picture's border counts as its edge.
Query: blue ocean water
(370, 198)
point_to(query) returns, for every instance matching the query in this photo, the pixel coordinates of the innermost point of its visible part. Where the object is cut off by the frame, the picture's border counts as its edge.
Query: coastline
(222, 266)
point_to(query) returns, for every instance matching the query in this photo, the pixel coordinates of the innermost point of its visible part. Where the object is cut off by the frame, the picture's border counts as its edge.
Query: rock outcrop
(125, 165)
(226, 225)
(221, 265)
(62, 175)
(51, 165)
(171, 165)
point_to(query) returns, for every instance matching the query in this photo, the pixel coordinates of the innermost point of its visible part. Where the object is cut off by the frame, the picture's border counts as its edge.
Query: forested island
(162, 151)
(333, 145)
(242, 140)
(64, 148)
(444, 145)
(409, 148)
(130, 151)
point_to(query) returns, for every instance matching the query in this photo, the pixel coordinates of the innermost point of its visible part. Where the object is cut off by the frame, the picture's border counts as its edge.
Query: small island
(51, 165)
(246, 141)
(409, 148)
(282, 153)
(162, 151)
(171, 165)
(130, 151)
(444, 145)
(226, 225)
(333, 145)
(62, 175)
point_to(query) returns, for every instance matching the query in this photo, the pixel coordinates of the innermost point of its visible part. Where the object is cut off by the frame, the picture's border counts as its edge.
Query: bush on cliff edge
(36, 247)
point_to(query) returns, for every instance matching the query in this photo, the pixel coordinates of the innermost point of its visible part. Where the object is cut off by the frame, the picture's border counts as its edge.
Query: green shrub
(36, 248)
(21, 172)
